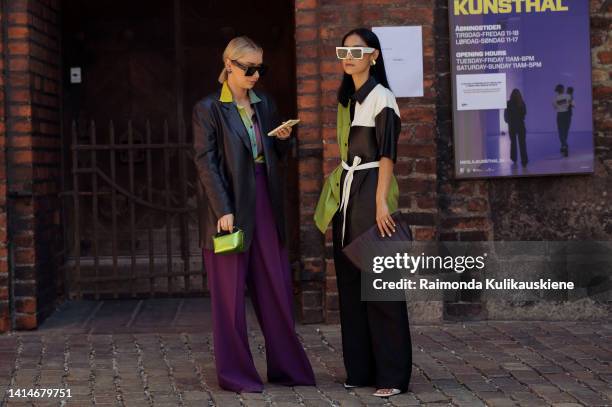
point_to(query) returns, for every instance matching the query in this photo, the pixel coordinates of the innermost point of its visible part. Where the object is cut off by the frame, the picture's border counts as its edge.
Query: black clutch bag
(370, 244)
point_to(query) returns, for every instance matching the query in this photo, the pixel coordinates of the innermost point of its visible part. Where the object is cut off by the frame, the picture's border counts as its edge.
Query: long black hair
(516, 98)
(347, 87)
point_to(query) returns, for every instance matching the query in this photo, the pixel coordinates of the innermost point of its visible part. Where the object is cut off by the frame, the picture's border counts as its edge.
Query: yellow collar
(227, 97)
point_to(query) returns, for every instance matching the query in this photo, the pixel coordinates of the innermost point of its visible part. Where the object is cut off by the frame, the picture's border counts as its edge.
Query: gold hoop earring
(373, 62)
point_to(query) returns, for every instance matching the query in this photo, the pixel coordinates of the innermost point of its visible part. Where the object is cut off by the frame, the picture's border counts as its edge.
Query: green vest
(329, 201)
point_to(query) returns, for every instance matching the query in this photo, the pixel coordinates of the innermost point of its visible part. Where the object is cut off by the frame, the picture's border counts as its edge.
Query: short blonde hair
(235, 49)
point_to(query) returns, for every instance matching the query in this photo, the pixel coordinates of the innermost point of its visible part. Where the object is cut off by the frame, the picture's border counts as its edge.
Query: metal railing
(130, 213)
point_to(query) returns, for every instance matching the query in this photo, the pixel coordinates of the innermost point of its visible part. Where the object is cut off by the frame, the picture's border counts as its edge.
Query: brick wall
(4, 267)
(440, 207)
(320, 26)
(601, 44)
(32, 147)
(537, 208)
(464, 208)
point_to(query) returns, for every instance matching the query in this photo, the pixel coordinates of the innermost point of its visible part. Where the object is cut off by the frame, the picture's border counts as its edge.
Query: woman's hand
(226, 223)
(385, 222)
(283, 134)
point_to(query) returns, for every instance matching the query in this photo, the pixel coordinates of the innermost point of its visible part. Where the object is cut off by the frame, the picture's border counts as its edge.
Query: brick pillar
(310, 154)
(319, 28)
(601, 45)
(5, 322)
(33, 159)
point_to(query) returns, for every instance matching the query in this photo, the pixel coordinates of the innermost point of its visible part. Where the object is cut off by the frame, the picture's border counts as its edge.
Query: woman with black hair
(358, 194)
(515, 117)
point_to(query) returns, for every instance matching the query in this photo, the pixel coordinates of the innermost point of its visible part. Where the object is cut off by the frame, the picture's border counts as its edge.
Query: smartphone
(288, 123)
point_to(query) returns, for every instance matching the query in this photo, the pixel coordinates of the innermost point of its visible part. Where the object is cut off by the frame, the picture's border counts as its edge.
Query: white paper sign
(481, 91)
(402, 49)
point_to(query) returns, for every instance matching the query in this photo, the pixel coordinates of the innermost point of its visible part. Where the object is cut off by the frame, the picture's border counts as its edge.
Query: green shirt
(329, 200)
(226, 96)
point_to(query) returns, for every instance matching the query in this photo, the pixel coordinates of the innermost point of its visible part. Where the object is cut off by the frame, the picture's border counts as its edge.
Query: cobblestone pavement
(159, 353)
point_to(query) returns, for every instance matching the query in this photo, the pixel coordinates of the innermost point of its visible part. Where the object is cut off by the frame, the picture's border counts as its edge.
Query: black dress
(375, 334)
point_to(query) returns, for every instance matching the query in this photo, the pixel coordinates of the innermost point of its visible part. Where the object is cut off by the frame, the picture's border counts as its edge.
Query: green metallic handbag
(226, 243)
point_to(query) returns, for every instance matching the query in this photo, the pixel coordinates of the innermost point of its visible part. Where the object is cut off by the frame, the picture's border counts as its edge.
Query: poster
(402, 49)
(521, 82)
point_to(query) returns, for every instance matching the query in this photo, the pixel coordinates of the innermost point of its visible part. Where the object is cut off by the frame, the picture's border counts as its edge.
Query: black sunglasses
(250, 70)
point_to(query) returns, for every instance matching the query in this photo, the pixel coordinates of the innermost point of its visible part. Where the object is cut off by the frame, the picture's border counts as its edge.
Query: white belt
(348, 180)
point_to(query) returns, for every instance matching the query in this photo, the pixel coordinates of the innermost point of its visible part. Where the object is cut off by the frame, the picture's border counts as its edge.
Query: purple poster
(521, 73)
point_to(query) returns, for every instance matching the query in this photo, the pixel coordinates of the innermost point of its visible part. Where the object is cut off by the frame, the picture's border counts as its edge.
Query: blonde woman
(239, 186)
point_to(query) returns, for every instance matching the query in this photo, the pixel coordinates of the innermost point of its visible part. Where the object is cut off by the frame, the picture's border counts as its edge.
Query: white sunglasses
(354, 52)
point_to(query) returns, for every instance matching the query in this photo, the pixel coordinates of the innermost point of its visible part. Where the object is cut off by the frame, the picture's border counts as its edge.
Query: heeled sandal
(386, 392)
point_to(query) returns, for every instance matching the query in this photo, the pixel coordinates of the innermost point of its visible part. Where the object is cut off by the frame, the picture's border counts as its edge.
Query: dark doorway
(129, 193)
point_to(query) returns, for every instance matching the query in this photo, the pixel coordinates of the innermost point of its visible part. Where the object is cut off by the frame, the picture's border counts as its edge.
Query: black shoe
(565, 152)
(354, 386)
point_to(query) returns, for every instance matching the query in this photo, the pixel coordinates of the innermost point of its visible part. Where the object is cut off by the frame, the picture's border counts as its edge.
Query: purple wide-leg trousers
(264, 268)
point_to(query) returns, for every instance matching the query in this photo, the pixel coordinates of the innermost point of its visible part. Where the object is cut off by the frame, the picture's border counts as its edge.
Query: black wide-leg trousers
(376, 344)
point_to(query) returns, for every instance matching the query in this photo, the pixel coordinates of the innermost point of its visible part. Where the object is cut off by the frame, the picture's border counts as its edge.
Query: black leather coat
(226, 169)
